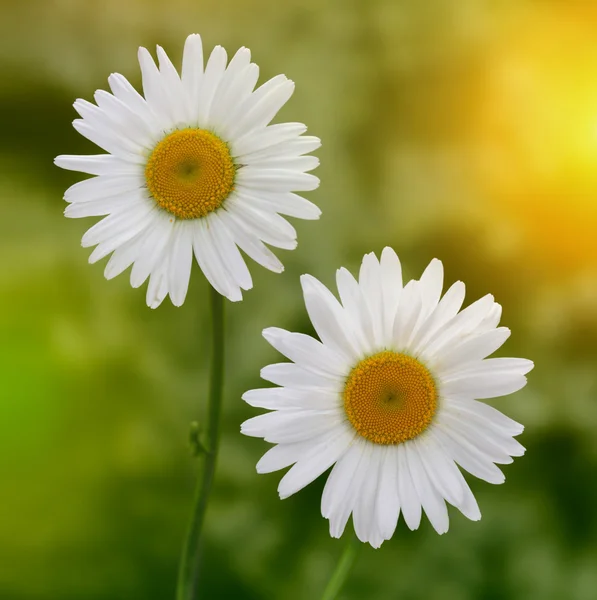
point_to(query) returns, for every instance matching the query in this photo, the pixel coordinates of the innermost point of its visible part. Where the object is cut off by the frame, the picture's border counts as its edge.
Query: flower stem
(342, 570)
(188, 575)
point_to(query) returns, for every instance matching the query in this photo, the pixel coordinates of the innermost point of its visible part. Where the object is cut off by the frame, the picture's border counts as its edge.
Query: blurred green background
(464, 130)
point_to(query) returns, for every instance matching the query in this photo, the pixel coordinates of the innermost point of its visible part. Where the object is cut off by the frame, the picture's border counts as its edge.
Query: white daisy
(193, 167)
(390, 398)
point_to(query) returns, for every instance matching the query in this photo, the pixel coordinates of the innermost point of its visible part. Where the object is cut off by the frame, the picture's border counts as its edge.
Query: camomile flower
(390, 398)
(191, 168)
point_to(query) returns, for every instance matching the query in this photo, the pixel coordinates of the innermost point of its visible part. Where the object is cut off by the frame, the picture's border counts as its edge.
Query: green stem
(188, 575)
(342, 570)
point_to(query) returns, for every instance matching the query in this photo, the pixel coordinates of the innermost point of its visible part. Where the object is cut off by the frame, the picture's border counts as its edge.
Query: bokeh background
(464, 130)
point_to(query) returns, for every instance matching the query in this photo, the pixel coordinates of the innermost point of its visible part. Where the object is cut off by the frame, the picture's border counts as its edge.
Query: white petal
(407, 315)
(407, 494)
(128, 220)
(232, 87)
(96, 117)
(98, 164)
(181, 260)
(192, 74)
(388, 506)
(469, 459)
(119, 238)
(292, 426)
(118, 146)
(364, 515)
(318, 459)
(493, 366)
(371, 286)
(280, 398)
(237, 64)
(210, 262)
(97, 188)
(492, 319)
(229, 253)
(289, 148)
(173, 89)
(284, 455)
(447, 308)
(214, 71)
(468, 507)
(291, 375)
(491, 440)
(270, 227)
(488, 414)
(266, 138)
(105, 206)
(469, 350)
(286, 204)
(249, 242)
(262, 106)
(446, 477)
(431, 284)
(124, 256)
(391, 281)
(275, 180)
(153, 249)
(94, 114)
(287, 163)
(154, 90)
(357, 311)
(307, 352)
(433, 504)
(480, 440)
(124, 117)
(460, 326)
(483, 385)
(338, 482)
(342, 487)
(441, 469)
(328, 318)
(157, 289)
(109, 130)
(234, 98)
(126, 93)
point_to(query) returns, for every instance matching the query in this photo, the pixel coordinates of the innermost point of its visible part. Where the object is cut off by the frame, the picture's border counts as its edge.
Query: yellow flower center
(190, 173)
(390, 398)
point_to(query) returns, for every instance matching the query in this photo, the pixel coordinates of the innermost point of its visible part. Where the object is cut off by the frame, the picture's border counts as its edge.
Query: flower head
(192, 168)
(390, 398)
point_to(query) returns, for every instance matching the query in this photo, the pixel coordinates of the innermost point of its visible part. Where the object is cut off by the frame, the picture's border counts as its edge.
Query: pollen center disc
(390, 398)
(190, 173)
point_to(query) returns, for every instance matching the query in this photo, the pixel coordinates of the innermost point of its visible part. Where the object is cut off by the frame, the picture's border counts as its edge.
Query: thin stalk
(188, 575)
(340, 574)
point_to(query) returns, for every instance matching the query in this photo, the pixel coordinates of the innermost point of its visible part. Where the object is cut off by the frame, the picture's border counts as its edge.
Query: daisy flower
(191, 168)
(390, 398)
